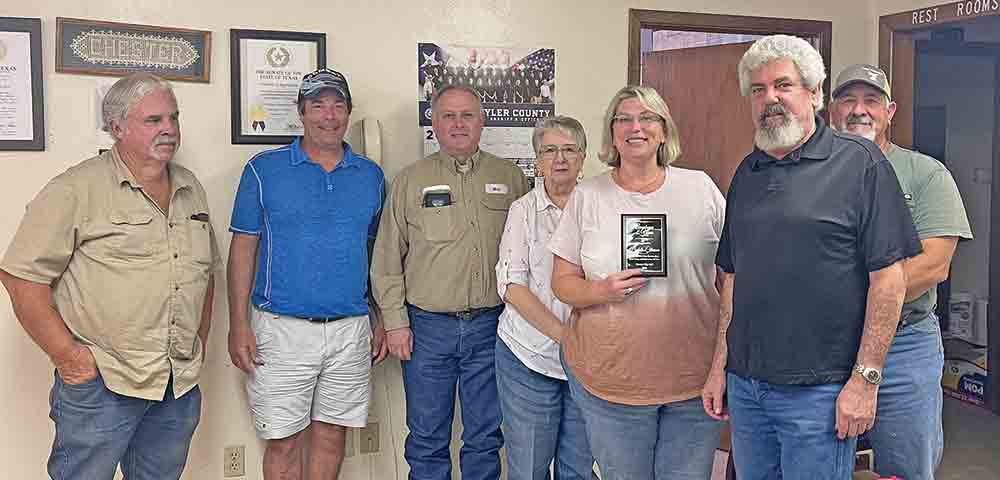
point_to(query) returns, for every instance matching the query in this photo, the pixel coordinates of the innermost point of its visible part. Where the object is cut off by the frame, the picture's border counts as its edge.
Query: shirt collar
(818, 147)
(542, 200)
(299, 155)
(451, 163)
(123, 175)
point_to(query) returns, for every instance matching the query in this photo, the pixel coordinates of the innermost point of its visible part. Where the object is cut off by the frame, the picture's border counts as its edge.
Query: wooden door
(701, 89)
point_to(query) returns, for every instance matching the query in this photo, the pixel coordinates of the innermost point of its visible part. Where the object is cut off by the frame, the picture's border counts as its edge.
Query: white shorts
(309, 371)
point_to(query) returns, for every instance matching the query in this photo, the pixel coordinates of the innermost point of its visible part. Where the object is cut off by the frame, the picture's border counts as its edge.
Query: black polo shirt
(801, 234)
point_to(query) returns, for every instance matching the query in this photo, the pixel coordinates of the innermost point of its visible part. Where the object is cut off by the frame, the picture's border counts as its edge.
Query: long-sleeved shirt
(525, 260)
(441, 258)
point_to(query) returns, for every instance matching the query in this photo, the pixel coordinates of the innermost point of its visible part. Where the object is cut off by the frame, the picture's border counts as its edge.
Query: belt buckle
(465, 314)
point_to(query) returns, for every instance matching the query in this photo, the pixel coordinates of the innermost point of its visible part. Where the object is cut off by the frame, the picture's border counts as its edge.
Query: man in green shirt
(433, 278)
(907, 437)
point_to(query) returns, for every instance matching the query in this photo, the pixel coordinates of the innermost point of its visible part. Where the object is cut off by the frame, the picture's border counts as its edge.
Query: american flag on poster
(517, 86)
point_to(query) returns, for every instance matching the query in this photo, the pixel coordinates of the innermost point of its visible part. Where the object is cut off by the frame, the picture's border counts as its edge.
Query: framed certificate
(267, 68)
(644, 243)
(22, 110)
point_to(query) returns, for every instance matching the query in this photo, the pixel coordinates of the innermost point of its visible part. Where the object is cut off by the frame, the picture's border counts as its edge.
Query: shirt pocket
(494, 218)
(439, 223)
(200, 238)
(132, 234)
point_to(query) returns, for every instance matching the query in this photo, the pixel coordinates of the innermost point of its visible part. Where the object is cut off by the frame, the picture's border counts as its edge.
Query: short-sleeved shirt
(802, 235)
(525, 260)
(936, 207)
(441, 258)
(314, 227)
(128, 279)
(656, 346)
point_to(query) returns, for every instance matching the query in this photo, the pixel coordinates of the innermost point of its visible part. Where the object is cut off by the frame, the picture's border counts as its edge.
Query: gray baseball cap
(862, 73)
(315, 82)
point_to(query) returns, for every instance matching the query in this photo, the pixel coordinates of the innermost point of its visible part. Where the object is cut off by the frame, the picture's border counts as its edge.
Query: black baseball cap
(313, 84)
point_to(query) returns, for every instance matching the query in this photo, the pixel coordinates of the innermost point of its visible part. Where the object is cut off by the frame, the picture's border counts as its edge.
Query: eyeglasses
(645, 120)
(549, 152)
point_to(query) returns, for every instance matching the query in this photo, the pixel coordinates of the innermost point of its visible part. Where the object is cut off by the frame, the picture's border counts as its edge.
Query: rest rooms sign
(952, 11)
(106, 48)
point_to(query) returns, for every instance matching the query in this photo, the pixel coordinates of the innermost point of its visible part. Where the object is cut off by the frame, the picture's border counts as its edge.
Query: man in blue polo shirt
(307, 213)
(812, 248)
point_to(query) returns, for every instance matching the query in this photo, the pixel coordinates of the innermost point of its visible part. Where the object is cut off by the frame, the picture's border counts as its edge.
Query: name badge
(500, 188)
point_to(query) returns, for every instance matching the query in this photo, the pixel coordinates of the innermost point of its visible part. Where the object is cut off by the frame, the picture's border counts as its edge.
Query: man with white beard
(812, 248)
(907, 436)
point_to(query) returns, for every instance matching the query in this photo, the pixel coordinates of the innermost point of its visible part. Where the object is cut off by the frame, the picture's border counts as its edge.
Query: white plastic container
(960, 316)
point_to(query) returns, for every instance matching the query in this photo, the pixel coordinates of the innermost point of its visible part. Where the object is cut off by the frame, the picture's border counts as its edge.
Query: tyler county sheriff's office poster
(517, 86)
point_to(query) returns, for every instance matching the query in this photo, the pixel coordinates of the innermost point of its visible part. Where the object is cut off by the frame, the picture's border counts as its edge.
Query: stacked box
(965, 376)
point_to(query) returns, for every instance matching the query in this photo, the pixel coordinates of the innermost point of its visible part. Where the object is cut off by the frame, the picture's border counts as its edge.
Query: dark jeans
(450, 351)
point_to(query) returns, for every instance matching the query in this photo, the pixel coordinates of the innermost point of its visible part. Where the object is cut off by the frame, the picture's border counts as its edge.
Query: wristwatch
(871, 375)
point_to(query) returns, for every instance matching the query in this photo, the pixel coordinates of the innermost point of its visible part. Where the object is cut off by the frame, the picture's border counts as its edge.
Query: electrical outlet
(233, 462)
(349, 443)
(369, 438)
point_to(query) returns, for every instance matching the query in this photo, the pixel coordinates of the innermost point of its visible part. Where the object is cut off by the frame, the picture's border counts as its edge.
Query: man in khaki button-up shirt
(432, 276)
(111, 274)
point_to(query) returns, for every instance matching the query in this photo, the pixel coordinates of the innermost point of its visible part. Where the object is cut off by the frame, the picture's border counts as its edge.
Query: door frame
(638, 19)
(896, 56)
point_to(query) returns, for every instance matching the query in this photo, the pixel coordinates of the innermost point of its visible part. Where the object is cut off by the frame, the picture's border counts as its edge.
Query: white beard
(781, 137)
(863, 132)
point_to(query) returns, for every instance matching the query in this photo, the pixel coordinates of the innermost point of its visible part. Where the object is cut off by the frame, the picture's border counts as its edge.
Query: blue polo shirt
(314, 228)
(802, 234)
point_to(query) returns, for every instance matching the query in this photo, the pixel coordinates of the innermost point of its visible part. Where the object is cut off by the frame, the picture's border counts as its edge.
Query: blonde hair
(668, 151)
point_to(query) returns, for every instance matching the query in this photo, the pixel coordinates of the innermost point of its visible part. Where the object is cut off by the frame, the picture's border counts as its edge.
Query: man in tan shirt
(111, 274)
(432, 275)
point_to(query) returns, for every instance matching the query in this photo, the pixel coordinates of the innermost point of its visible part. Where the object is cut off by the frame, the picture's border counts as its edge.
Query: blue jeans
(96, 429)
(787, 431)
(450, 351)
(907, 438)
(541, 422)
(673, 441)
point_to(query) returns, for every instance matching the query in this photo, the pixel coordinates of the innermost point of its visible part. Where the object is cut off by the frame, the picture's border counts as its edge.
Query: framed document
(22, 111)
(267, 68)
(117, 49)
(644, 243)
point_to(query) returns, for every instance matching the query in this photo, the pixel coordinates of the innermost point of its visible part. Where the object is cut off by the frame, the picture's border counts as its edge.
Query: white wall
(965, 86)
(373, 43)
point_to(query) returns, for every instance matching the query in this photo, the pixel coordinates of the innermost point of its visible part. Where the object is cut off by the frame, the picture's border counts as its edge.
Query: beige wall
(374, 43)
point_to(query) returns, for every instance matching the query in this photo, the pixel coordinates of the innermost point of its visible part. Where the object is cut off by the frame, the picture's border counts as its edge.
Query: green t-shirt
(936, 207)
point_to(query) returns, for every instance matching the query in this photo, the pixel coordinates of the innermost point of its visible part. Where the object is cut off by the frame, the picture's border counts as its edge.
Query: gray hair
(127, 92)
(807, 61)
(456, 88)
(568, 126)
(668, 151)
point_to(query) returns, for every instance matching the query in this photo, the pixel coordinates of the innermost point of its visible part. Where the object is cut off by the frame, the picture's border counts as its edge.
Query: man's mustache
(774, 109)
(859, 120)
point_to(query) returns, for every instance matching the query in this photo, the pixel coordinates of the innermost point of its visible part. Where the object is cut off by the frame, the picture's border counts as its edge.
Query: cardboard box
(965, 376)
